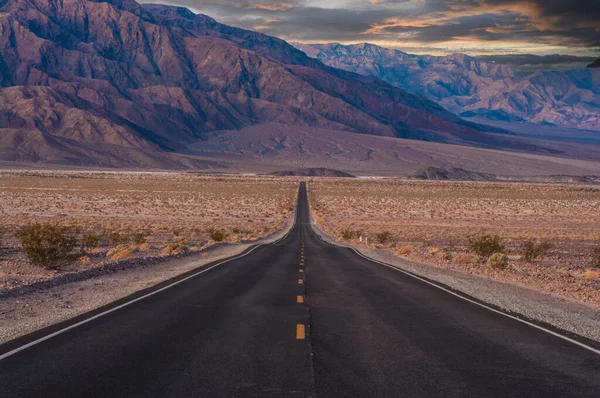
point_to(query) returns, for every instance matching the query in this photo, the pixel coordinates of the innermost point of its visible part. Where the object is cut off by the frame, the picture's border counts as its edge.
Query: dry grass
(136, 214)
(435, 220)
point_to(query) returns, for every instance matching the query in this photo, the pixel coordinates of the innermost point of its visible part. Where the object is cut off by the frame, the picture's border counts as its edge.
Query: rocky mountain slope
(471, 87)
(80, 80)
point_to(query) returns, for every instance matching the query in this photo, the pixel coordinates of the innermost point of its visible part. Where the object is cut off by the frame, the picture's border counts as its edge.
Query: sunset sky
(495, 28)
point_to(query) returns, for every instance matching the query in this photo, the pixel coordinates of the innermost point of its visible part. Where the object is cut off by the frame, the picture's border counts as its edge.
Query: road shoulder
(569, 316)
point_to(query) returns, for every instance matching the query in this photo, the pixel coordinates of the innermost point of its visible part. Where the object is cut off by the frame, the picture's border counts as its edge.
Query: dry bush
(532, 250)
(383, 237)
(498, 261)
(406, 249)
(596, 257)
(139, 238)
(591, 274)
(216, 234)
(178, 246)
(485, 245)
(48, 245)
(465, 258)
(118, 238)
(120, 252)
(346, 234)
(90, 240)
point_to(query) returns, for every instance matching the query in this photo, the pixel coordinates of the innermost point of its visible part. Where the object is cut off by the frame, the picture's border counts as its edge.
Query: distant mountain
(86, 79)
(453, 174)
(595, 64)
(312, 172)
(471, 87)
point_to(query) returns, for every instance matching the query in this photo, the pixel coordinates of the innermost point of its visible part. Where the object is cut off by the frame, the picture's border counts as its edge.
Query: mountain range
(118, 84)
(81, 80)
(471, 87)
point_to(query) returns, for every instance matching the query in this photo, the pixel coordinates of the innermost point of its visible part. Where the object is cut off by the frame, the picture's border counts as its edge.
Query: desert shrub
(346, 234)
(217, 235)
(118, 238)
(485, 245)
(531, 250)
(383, 237)
(120, 252)
(498, 260)
(405, 250)
(139, 238)
(48, 245)
(591, 274)
(465, 258)
(178, 246)
(177, 232)
(596, 257)
(90, 240)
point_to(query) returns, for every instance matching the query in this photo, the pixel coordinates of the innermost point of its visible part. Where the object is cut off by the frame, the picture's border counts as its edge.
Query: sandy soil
(152, 215)
(429, 222)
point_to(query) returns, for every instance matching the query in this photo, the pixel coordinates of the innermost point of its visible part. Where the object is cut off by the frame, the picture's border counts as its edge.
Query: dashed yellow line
(300, 270)
(300, 282)
(300, 332)
(300, 299)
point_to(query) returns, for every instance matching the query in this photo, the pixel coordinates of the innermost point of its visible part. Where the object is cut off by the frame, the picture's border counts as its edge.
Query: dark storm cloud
(504, 24)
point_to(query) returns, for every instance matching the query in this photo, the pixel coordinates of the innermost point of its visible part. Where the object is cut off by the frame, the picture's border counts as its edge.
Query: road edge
(28, 340)
(574, 338)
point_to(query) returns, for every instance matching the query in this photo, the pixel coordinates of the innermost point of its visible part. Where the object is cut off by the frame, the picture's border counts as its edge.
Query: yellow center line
(301, 270)
(300, 299)
(300, 282)
(300, 332)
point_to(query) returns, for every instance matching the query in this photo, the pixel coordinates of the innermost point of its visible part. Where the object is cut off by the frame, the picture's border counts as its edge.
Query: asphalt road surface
(300, 317)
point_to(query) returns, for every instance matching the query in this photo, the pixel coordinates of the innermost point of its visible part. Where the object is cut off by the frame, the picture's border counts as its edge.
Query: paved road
(236, 331)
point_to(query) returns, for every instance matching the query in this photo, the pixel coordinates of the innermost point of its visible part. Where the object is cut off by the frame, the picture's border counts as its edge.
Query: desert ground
(135, 215)
(431, 222)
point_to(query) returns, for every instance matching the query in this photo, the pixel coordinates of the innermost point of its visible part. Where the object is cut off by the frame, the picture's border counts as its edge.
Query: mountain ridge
(471, 87)
(116, 83)
(162, 76)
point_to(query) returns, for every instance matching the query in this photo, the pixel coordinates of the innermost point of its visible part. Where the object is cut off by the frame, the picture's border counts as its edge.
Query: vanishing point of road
(297, 318)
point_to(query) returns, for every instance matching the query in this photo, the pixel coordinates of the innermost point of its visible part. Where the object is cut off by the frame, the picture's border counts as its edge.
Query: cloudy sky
(498, 29)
